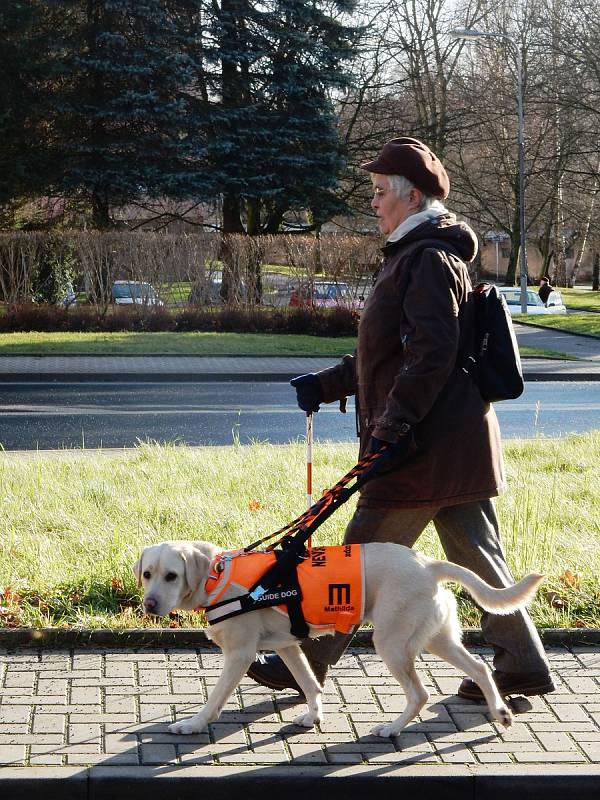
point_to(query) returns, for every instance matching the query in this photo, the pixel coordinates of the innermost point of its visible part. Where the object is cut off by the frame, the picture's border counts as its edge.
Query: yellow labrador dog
(404, 601)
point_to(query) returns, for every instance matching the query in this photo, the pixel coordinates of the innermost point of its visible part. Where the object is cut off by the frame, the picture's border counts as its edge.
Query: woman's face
(390, 209)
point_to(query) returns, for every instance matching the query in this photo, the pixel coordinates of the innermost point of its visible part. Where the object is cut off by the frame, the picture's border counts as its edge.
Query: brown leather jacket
(405, 371)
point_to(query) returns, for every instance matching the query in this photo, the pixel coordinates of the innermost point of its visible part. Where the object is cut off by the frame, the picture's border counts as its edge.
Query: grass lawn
(72, 524)
(581, 299)
(157, 343)
(588, 324)
(253, 344)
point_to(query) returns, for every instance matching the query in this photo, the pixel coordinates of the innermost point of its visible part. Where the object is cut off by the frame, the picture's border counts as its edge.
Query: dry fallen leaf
(254, 505)
(10, 596)
(569, 579)
(116, 585)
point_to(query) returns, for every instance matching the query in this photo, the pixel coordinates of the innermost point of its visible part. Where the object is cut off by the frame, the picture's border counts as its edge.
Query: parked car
(554, 305)
(326, 294)
(127, 293)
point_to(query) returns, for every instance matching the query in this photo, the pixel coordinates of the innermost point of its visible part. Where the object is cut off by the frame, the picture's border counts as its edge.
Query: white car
(127, 293)
(512, 296)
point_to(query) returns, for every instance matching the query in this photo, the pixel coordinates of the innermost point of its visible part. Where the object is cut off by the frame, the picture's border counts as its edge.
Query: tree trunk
(544, 244)
(101, 220)
(560, 261)
(254, 260)
(317, 251)
(232, 224)
(596, 275)
(586, 232)
(515, 243)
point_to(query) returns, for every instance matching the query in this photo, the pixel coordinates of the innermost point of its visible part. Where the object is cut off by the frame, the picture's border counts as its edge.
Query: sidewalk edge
(547, 781)
(223, 377)
(11, 638)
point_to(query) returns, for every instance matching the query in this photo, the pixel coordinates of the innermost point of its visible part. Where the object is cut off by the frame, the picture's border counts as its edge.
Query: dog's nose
(150, 604)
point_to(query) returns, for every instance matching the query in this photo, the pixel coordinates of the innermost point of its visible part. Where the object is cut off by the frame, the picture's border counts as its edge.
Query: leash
(300, 529)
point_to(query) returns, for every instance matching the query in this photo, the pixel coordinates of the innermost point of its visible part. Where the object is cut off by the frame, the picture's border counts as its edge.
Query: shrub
(47, 318)
(55, 271)
(196, 319)
(94, 260)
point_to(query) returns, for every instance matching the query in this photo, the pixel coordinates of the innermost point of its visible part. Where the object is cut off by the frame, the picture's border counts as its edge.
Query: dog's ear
(196, 568)
(137, 569)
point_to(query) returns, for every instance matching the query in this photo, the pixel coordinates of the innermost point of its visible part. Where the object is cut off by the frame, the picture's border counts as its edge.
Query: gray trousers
(469, 535)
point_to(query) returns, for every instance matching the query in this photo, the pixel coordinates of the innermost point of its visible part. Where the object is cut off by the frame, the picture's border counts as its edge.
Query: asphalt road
(59, 415)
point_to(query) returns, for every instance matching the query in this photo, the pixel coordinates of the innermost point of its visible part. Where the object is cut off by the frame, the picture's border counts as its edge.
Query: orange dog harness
(330, 581)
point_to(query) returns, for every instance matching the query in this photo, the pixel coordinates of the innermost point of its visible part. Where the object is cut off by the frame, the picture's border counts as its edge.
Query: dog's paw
(504, 717)
(384, 731)
(187, 727)
(307, 720)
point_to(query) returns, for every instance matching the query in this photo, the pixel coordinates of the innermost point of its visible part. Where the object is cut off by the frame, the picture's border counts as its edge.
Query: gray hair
(401, 187)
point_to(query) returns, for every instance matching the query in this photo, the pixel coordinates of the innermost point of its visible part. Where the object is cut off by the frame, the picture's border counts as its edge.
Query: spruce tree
(120, 105)
(25, 72)
(265, 73)
(265, 114)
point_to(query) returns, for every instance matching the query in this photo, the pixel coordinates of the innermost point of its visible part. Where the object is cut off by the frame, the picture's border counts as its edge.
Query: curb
(410, 782)
(196, 637)
(223, 377)
(560, 376)
(149, 377)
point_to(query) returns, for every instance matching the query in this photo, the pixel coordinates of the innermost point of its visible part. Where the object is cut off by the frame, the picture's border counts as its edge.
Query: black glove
(395, 452)
(308, 392)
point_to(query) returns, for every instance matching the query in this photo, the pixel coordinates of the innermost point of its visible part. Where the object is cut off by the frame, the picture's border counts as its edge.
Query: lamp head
(468, 34)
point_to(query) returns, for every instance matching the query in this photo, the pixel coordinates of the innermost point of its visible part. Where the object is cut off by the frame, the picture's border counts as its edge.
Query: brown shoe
(510, 683)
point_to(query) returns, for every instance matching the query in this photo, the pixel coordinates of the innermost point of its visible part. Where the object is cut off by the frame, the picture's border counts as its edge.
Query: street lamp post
(470, 34)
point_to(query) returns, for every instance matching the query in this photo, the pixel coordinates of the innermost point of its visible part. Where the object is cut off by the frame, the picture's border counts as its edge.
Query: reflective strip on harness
(224, 610)
(330, 580)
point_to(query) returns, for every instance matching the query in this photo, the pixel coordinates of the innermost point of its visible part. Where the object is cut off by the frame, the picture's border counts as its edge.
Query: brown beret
(413, 160)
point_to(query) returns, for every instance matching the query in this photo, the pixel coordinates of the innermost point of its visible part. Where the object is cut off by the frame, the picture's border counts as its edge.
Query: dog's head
(173, 575)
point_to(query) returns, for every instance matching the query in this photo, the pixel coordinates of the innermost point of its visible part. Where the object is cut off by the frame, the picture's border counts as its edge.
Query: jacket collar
(428, 229)
(435, 210)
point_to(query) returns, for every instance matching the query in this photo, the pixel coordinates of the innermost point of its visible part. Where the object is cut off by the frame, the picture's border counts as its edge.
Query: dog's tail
(500, 601)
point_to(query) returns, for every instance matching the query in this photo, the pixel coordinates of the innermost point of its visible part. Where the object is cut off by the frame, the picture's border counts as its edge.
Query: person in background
(412, 397)
(545, 289)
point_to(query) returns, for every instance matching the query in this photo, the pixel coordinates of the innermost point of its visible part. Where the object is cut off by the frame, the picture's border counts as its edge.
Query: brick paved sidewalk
(112, 707)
